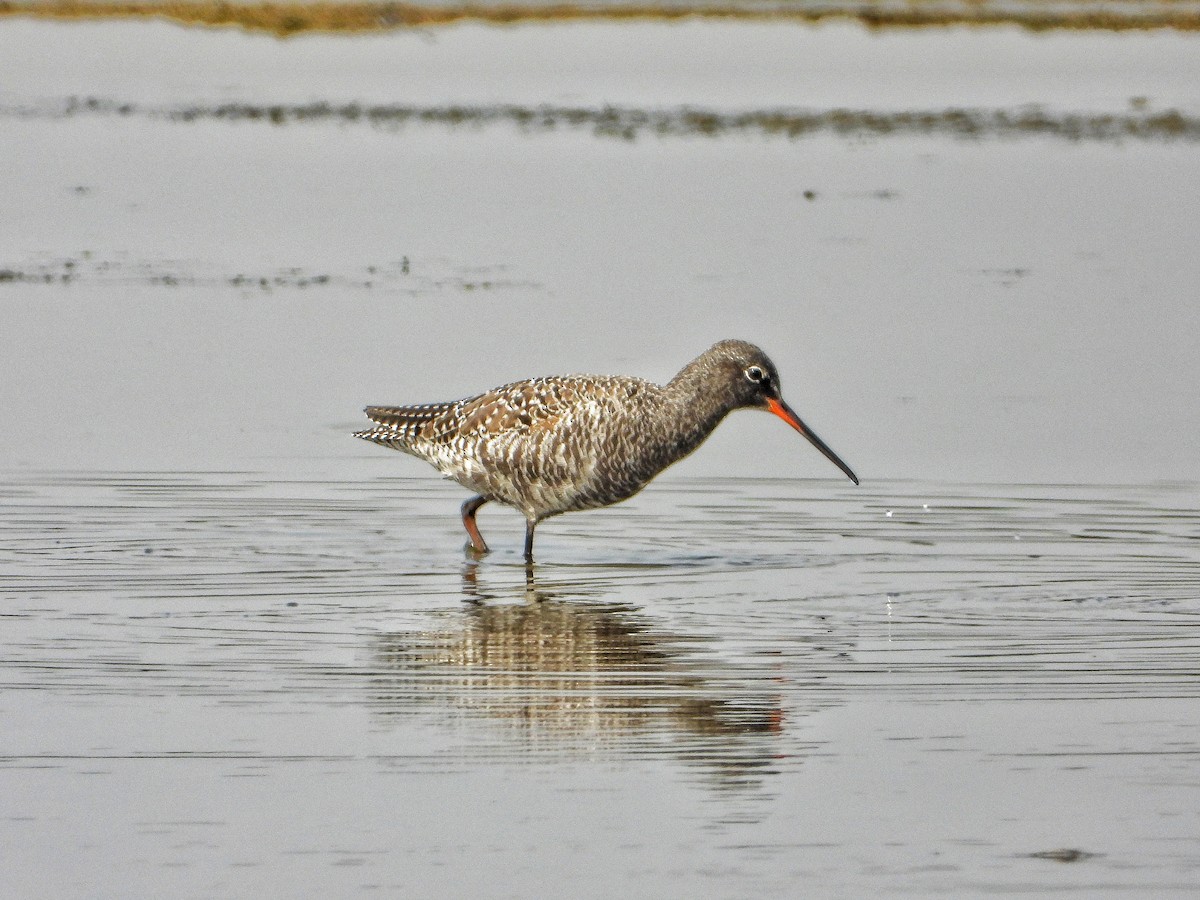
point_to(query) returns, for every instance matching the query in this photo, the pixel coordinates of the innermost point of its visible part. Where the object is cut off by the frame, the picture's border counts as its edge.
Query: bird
(547, 446)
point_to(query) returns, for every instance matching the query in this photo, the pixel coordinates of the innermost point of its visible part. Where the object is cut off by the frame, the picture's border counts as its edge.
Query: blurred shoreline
(629, 123)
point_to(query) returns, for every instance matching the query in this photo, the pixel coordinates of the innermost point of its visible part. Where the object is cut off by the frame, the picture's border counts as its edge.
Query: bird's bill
(781, 409)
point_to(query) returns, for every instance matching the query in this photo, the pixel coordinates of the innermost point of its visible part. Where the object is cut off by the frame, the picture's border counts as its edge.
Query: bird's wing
(504, 413)
(521, 406)
(512, 407)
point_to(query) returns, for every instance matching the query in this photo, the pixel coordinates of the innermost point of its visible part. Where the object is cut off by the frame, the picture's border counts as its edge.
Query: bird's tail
(399, 427)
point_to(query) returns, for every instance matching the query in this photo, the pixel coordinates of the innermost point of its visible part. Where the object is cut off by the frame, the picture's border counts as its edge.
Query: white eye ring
(756, 375)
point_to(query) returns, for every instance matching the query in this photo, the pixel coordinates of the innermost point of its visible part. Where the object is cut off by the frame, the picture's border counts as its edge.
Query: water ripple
(701, 609)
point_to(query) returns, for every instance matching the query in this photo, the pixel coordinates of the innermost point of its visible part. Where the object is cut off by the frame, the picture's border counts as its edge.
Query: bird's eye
(756, 375)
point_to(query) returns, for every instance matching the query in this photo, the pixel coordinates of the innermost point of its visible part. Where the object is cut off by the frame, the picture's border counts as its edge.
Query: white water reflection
(577, 676)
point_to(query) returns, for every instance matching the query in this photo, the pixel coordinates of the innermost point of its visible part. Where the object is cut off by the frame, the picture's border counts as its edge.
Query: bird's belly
(536, 489)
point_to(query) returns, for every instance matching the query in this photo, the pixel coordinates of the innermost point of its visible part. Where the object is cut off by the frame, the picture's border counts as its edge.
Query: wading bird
(553, 445)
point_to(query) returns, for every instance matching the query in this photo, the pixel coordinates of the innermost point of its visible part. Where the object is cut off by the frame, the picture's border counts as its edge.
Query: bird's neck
(695, 409)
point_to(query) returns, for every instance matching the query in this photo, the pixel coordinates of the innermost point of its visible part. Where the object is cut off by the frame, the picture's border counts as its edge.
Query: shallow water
(219, 682)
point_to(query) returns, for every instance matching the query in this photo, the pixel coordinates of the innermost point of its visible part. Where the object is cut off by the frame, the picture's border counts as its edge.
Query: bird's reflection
(567, 671)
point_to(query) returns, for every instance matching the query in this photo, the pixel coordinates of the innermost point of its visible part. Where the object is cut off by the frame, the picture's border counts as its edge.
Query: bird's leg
(530, 524)
(478, 544)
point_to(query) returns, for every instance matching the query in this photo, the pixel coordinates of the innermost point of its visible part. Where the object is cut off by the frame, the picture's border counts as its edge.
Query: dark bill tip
(781, 409)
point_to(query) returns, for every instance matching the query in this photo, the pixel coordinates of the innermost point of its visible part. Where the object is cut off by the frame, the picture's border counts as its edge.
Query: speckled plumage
(552, 445)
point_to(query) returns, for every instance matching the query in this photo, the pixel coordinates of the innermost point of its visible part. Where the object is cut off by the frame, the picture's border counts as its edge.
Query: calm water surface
(221, 683)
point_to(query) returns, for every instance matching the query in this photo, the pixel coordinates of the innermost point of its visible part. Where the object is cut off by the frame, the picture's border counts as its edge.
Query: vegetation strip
(1139, 123)
(284, 19)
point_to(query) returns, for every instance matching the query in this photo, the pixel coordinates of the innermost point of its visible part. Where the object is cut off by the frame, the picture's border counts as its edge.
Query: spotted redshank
(553, 445)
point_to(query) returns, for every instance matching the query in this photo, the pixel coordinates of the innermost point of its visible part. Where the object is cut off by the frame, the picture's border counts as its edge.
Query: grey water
(218, 683)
